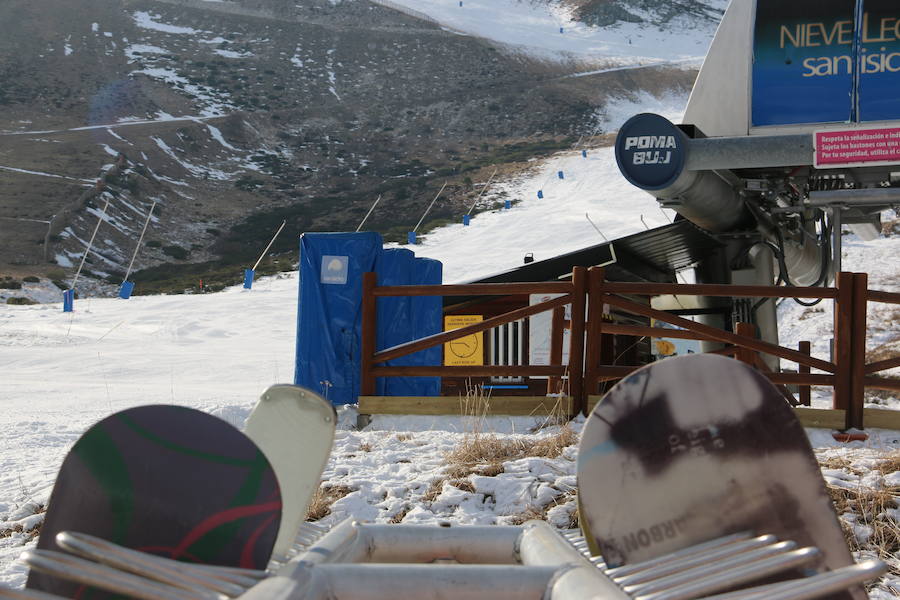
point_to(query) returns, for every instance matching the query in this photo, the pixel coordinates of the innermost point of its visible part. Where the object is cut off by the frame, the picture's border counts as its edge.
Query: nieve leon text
(840, 33)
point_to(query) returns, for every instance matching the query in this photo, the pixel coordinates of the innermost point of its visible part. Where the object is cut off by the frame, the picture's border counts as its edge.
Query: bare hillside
(232, 116)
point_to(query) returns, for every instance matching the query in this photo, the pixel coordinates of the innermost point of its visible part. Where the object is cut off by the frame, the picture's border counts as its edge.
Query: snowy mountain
(195, 141)
(234, 116)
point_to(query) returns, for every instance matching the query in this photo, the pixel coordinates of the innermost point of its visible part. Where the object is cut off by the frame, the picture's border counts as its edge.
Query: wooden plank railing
(574, 293)
(848, 374)
(589, 293)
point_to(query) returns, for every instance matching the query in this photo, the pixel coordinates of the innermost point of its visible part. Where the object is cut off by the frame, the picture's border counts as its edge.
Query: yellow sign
(665, 347)
(466, 351)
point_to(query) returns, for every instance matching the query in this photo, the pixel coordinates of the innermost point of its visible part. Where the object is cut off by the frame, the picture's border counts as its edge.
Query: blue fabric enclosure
(329, 314)
(427, 319)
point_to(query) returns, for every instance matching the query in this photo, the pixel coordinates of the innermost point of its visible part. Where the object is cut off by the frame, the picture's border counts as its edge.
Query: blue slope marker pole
(507, 204)
(249, 273)
(128, 286)
(471, 208)
(248, 278)
(68, 300)
(411, 236)
(69, 304)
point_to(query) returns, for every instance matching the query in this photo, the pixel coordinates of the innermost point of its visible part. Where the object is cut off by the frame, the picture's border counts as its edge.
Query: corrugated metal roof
(653, 255)
(671, 247)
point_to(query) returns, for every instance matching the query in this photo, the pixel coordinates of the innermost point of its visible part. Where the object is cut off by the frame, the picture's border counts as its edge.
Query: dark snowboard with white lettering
(692, 448)
(167, 480)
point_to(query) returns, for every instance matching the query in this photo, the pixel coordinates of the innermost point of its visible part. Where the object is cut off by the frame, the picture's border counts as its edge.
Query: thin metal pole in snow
(361, 223)
(90, 243)
(490, 179)
(140, 239)
(588, 217)
(270, 244)
(429, 207)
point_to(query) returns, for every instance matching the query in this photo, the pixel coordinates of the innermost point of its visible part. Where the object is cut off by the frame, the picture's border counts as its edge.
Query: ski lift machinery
(791, 133)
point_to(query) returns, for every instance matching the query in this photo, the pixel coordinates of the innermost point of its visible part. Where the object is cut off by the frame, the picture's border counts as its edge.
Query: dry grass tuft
(540, 513)
(17, 528)
(398, 518)
(323, 498)
(31, 534)
(484, 454)
(890, 463)
(870, 507)
(836, 462)
(459, 471)
(552, 446)
(531, 513)
(434, 490)
(481, 449)
(463, 484)
(403, 437)
(365, 447)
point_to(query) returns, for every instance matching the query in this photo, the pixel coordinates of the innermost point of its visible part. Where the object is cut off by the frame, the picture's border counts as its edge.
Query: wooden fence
(589, 293)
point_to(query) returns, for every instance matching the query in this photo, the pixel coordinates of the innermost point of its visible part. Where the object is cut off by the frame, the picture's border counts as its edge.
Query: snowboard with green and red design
(170, 481)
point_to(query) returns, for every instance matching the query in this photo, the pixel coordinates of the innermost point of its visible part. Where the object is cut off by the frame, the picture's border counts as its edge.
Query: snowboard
(294, 428)
(166, 480)
(692, 448)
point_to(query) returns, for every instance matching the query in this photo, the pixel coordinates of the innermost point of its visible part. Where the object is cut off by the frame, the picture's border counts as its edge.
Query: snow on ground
(548, 31)
(798, 323)
(63, 372)
(498, 240)
(218, 352)
(146, 20)
(43, 174)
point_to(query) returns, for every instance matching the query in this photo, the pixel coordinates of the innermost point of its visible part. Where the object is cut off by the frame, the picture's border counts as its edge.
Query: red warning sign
(857, 147)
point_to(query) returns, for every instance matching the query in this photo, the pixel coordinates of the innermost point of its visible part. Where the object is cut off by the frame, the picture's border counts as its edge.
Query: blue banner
(825, 61)
(802, 61)
(879, 79)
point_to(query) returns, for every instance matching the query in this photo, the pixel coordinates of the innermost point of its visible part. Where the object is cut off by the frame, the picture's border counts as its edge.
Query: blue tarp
(328, 313)
(395, 267)
(330, 301)
(428, 317)
(402, 319)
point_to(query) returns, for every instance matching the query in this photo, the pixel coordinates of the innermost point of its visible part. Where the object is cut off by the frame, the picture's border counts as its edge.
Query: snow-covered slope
(217, 352)
(591, 185)
(550, 30)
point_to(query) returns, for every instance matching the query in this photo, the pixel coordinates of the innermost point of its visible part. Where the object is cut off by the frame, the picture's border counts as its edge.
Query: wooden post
(369, 328)
(556, 346)
(805, 389)
(858, 351)
(745, 355)
(843, 334)
(576, 341)
(596, 276)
